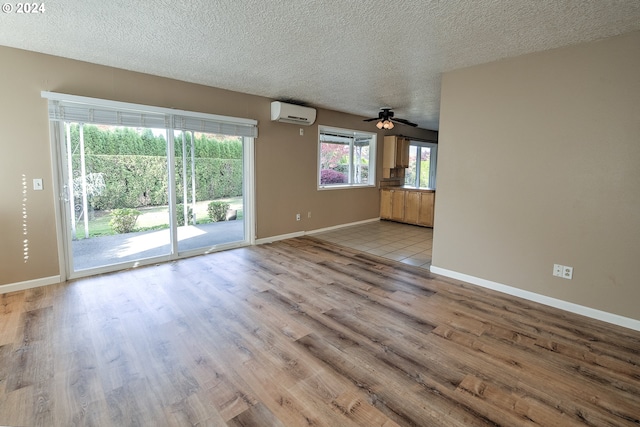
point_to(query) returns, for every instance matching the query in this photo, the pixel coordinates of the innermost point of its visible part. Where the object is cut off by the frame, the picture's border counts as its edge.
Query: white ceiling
(345, 55)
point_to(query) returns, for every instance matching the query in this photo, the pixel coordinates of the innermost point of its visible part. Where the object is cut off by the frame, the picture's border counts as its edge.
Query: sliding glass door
(209, 190)
(117, 194)
(139, 184)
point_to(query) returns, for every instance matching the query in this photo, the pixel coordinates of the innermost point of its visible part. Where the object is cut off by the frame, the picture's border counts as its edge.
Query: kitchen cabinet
(411, 206)
(397, 205)
(395, 156)
(425, 211)
(385, 204)
(402, 152)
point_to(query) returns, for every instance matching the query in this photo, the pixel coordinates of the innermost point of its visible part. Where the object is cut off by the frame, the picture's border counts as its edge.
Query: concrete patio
(107, 250)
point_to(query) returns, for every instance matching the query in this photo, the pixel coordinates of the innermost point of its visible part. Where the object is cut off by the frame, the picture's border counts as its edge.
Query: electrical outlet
(557, 270)
(298, 217)
(563, 271)
(309, 214)
(567, 272)
(301, 131)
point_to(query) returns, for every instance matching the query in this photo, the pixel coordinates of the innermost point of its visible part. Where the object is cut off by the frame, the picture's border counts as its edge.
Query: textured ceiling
(351, 56)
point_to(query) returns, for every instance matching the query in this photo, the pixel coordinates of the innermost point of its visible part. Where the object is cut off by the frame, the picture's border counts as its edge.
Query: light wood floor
(305, 333)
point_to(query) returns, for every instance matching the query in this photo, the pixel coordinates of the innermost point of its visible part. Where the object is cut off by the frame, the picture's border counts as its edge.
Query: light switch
(37, 183)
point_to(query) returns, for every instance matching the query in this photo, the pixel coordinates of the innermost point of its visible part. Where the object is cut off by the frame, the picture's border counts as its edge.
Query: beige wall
(539, 163)
(285, 161)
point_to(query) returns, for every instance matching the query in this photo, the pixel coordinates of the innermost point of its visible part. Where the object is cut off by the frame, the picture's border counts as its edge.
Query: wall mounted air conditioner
(291, 113)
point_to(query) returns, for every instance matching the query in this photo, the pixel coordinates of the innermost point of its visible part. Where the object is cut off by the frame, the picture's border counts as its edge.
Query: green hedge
(136, 181)
(129, 141)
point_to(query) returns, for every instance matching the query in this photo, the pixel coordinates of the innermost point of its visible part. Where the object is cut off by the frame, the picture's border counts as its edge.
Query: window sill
(345, 187)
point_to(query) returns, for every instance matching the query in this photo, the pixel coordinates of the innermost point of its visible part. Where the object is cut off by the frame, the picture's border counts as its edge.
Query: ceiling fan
(385, 119)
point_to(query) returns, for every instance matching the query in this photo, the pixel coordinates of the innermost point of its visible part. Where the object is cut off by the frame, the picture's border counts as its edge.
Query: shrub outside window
(346, 158)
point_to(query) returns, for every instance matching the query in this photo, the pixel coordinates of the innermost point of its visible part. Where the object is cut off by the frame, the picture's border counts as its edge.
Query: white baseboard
(305, 233)
(279, 237)
(542, 299)
(21, 286)
(336, 227)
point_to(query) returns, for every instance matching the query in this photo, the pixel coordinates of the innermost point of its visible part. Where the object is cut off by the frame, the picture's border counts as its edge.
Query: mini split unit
(291, 113)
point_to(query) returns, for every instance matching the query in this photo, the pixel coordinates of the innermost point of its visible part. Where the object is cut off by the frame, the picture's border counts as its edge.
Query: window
(344, 157)
(421, 172)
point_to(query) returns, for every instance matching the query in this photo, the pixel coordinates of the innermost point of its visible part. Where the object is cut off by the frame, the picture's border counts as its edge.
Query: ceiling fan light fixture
(385, 124)
(386, 119)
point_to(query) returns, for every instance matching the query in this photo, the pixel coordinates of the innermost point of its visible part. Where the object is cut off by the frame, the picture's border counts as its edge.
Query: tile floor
(406, 243)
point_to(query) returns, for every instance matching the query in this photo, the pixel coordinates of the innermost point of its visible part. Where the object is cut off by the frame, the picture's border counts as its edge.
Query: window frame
(371, 171)
(433, 163)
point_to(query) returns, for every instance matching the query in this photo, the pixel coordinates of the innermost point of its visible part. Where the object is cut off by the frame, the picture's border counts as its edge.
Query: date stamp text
(23, 8)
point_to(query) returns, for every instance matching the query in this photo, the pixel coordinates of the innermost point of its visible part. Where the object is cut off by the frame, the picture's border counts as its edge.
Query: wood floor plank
(127, 408)
(275, 367)
(341, 338)
(532, 376)
(363, 413)
(32, 362)
(195, 410)
(304, 332)
(11, 307)
(526, 409)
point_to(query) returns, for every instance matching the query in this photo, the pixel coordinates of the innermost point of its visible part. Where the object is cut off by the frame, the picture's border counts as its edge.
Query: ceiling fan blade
(403, 121)
(387, 114)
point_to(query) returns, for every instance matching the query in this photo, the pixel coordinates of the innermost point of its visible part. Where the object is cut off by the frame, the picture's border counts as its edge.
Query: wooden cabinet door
(397, 205)
(395, 156)
(411, 207)
(402, 152)
(389, 153)
(385, 204)
(425, 215)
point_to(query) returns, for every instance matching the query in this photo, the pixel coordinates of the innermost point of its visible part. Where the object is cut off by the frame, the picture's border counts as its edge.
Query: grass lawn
(153, 217)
